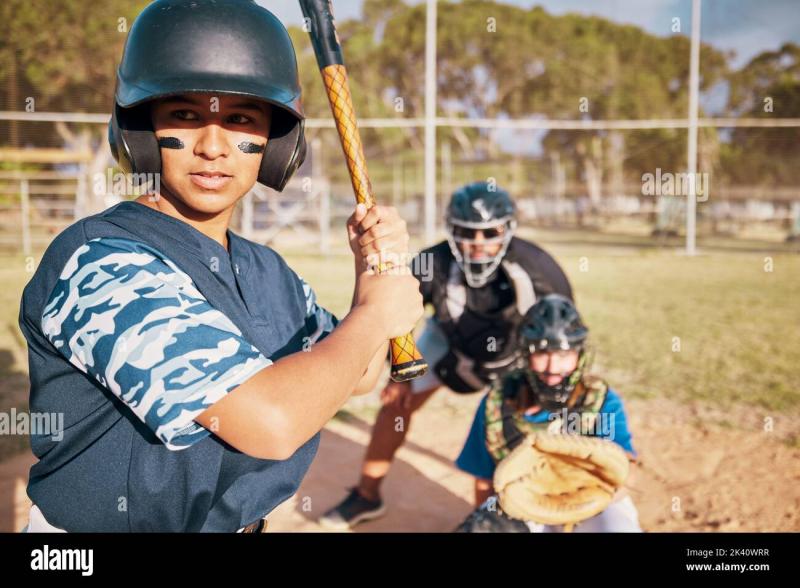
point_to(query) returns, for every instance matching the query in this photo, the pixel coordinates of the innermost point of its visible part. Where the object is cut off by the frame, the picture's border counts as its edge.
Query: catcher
(550, 446)
(193, 367)
(479, 282)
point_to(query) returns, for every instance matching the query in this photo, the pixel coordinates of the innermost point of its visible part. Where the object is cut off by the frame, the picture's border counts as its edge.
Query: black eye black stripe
(175, 143)
(170, 143)
(248, 147)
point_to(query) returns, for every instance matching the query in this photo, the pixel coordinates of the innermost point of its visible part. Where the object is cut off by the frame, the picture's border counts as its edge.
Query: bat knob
(407, 361)
(409, 370)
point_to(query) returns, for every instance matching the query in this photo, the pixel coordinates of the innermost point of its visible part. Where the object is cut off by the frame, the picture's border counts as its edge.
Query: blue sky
(745, 26)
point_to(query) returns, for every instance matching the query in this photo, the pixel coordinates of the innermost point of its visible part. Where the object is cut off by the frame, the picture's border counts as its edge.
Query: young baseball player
(193, 367)
(550, 392)
(479, 282)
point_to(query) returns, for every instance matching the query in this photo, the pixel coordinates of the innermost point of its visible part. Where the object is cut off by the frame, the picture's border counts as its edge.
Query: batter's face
(550, 366)
(211, 147)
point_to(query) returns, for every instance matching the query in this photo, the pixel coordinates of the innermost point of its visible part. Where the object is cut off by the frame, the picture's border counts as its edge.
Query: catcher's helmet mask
(551, 325)
(234, 48)
(473, 207)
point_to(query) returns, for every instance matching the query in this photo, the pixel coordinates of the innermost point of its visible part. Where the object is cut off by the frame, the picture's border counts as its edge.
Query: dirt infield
(697, 472)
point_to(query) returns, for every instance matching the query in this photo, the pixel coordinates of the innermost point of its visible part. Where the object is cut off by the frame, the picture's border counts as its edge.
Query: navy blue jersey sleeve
(129, 318)
(319, 322)
(475, 458)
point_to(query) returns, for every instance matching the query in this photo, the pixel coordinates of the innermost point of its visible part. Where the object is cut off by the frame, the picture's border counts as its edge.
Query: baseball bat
(407, 362)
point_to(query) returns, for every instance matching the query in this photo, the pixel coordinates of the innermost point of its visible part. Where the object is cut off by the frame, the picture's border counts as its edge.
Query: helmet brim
(131, 94)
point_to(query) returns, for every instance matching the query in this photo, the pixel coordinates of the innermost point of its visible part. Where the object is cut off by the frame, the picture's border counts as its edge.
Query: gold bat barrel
(407, 362)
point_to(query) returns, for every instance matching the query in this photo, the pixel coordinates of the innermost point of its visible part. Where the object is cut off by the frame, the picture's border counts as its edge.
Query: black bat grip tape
(323, 32)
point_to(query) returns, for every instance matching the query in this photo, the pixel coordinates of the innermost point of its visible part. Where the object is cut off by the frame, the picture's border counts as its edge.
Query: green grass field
(737, 324)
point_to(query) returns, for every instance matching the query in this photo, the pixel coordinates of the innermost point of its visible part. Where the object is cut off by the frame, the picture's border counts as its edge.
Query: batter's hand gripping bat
(407, 362)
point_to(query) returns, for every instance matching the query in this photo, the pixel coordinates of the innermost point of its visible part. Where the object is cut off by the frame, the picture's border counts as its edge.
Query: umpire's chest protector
(110, 473)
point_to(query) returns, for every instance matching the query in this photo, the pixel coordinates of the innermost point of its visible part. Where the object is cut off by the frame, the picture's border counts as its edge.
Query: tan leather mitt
(560, 479)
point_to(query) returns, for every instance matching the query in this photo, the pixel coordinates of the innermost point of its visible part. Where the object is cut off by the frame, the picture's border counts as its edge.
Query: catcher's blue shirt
(475, 458)
(136, 323)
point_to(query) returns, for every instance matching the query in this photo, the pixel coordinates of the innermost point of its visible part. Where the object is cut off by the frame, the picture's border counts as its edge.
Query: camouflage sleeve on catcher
(129, 318)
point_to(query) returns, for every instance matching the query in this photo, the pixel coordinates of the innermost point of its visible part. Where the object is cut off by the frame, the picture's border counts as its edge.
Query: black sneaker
(352, 510)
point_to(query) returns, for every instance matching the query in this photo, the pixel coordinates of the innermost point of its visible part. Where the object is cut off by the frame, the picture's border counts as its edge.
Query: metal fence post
(24, 193)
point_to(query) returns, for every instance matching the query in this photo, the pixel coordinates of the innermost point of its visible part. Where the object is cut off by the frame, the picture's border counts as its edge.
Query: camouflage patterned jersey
(136, 323)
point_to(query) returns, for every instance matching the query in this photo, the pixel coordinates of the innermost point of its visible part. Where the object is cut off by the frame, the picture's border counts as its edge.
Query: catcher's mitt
(560, 479)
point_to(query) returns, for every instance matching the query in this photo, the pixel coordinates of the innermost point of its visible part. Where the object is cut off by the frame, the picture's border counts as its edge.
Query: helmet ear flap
(114, 138)
(132, 140)
(285, 151)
